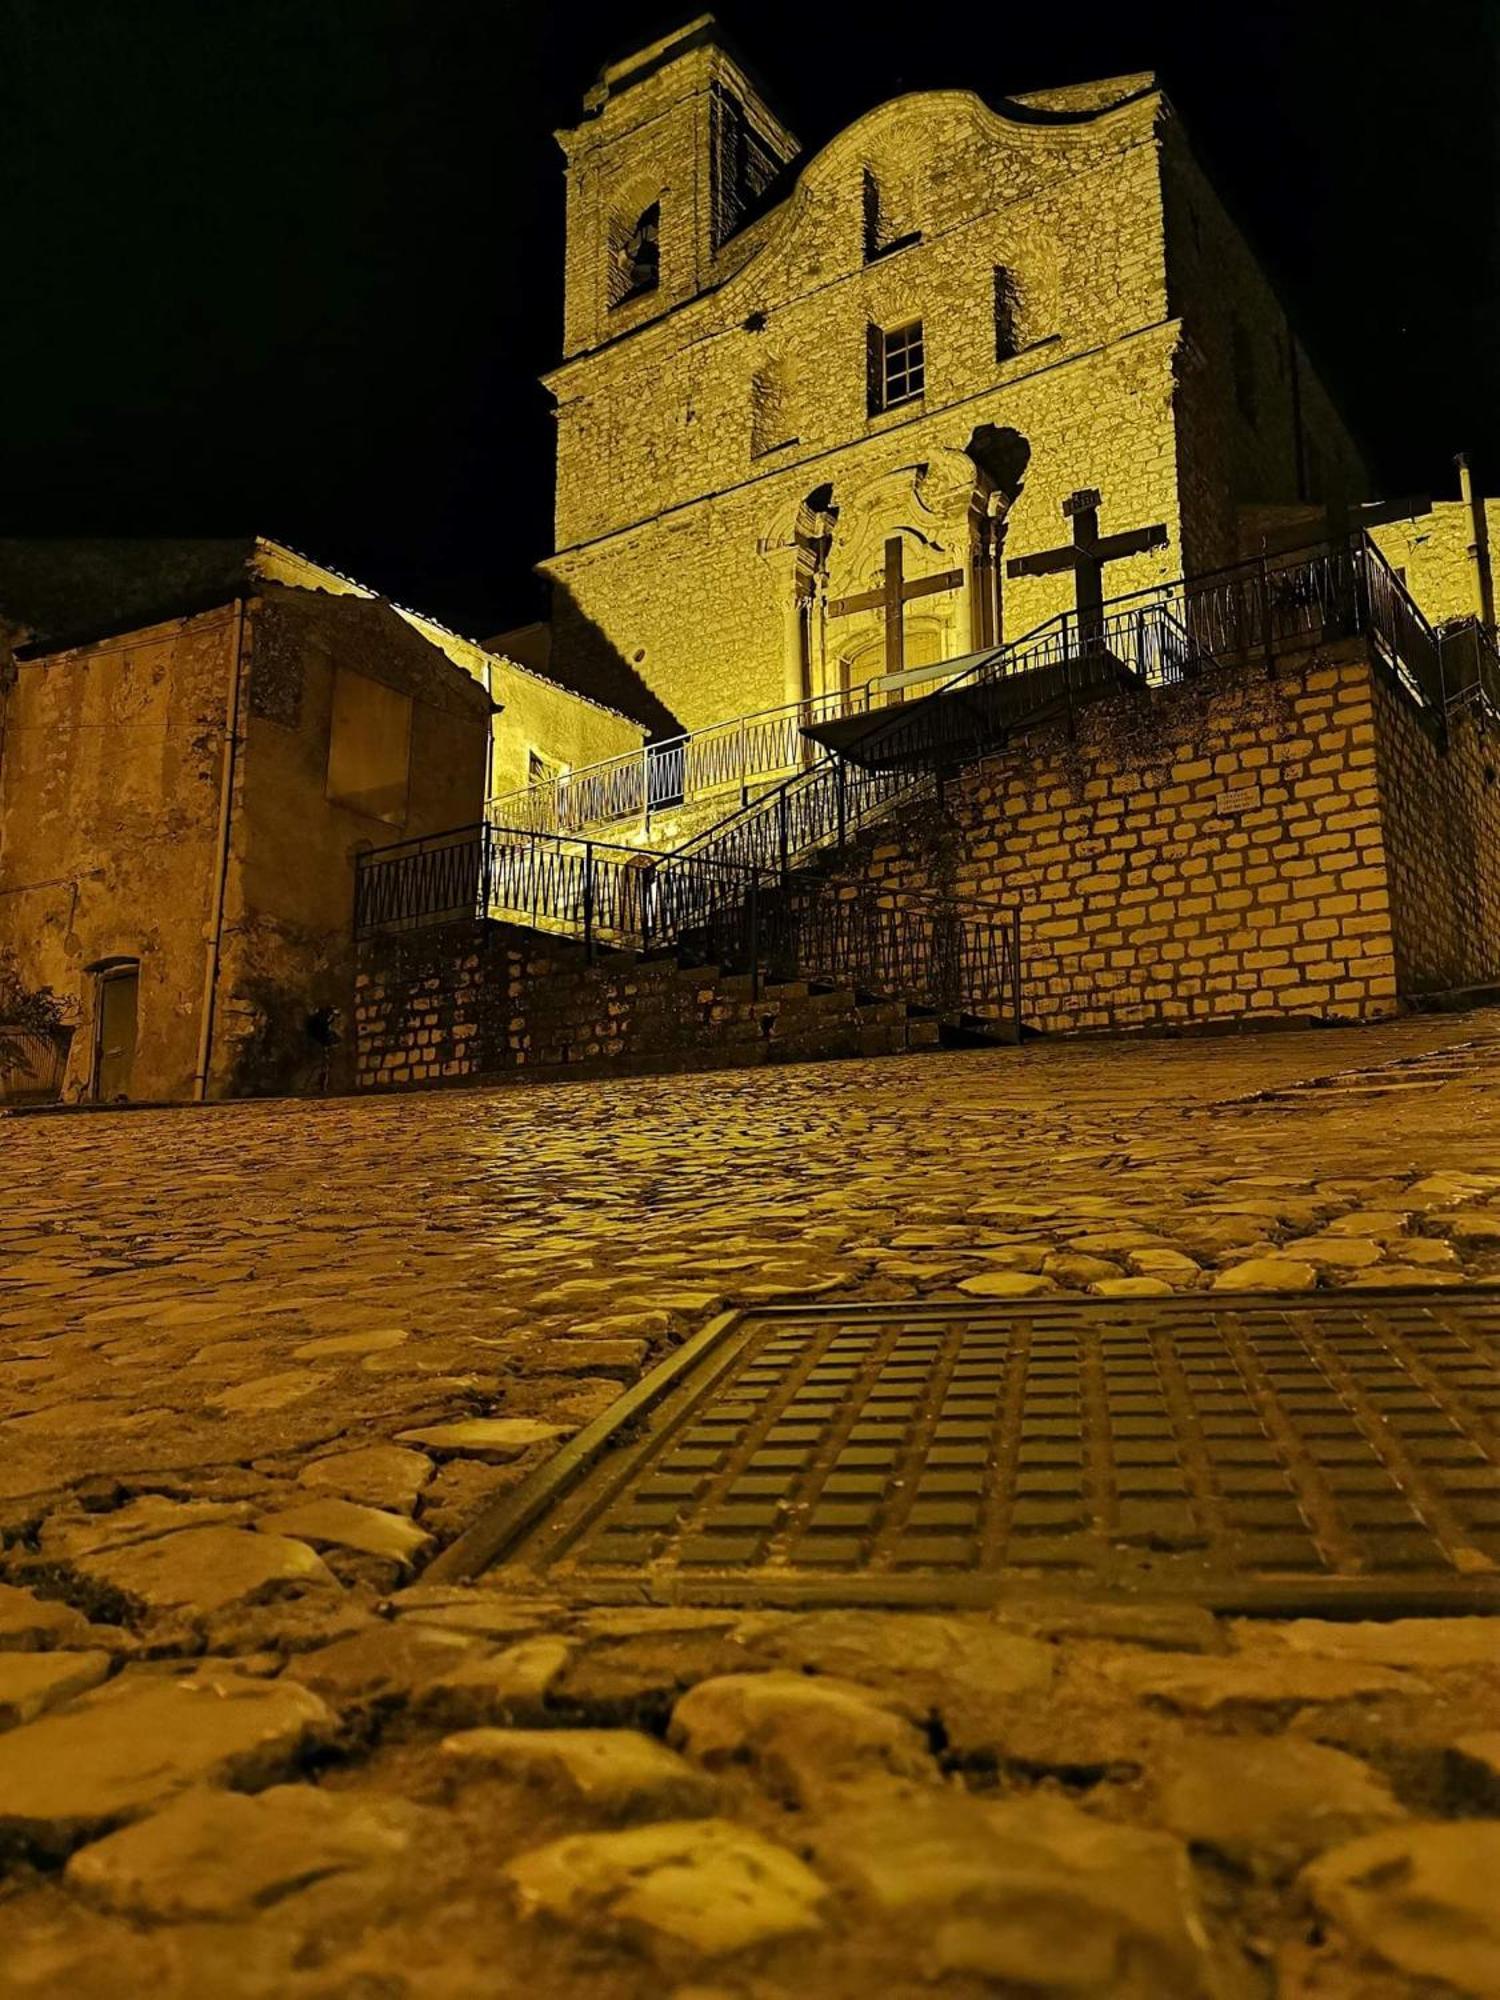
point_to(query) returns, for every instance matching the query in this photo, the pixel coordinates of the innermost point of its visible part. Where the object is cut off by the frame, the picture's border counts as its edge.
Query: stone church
(935, 328)
(1022, 646)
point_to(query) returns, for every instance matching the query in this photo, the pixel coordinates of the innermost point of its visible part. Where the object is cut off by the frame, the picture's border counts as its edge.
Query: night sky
(293, 266)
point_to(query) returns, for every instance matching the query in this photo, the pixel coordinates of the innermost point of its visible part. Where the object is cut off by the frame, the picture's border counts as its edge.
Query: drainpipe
(221, 854)
(1479, 546)
(489, 734)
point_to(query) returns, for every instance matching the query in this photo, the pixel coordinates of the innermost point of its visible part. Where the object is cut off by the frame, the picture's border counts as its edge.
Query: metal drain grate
(1256, 1454)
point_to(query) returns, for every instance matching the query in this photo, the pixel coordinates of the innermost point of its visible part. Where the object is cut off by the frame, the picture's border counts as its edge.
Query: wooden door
(115, 1048)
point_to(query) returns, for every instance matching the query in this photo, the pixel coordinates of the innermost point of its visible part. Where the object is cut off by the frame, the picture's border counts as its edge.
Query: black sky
(293, 266)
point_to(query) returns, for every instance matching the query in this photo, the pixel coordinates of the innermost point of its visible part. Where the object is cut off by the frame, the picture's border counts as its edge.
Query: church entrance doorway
(862, 672)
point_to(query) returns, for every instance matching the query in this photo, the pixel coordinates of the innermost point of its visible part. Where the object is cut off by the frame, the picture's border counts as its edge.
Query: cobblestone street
(260, 1362)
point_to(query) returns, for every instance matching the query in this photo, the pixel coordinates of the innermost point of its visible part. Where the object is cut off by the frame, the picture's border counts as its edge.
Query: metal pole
(744, 786)
(843, 808)
(588, 901)
(646, 788)
(215, 933)
(1015, 967)
(648, 886)
(755, 936)
(1268, 650)
(1479, 545)
(781, 833)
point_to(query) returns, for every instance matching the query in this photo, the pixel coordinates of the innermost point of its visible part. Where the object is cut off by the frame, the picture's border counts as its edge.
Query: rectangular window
(369, 747)
(898, 366)
(541, 769)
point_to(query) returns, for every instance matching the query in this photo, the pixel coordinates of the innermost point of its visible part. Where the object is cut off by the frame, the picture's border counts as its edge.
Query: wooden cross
(1086, 556)
(891, 597)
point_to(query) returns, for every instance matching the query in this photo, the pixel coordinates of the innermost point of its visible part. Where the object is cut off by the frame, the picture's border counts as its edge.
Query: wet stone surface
(259, 1363)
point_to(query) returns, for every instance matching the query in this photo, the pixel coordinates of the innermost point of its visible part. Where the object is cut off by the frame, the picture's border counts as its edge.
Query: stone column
(793, 585)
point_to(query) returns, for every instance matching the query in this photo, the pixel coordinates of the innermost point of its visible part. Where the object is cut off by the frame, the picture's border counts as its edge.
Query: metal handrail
(610, 892)
(674, 771)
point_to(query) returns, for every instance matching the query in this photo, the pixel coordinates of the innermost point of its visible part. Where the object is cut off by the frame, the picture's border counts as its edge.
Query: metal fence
(600, 892)
(439, 880)
(959, 962)
(720, 761)
(33, 1063)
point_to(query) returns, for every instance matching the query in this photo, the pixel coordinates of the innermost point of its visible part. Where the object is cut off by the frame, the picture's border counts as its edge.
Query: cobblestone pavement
(258, 1362)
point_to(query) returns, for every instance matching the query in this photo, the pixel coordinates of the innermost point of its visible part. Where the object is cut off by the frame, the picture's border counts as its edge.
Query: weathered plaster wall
(534, 711)
(287, 945)
(538, 714)
(109, 798)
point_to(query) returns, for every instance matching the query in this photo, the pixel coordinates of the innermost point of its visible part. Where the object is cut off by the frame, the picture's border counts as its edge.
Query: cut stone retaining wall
(1238, 850)
(1235, 849)
(462, 1001)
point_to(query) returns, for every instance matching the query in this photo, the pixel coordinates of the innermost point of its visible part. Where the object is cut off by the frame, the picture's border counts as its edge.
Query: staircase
(742, 897)
(744, 894)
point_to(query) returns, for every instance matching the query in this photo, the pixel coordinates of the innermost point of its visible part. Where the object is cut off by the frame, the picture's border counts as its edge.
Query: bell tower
(674, 148)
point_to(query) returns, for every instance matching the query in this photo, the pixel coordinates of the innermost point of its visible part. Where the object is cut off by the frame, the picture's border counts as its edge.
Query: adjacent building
(197, 742)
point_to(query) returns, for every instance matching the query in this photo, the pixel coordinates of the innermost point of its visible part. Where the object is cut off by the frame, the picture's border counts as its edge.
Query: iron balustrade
(601, 893)
(676, 771)
(1471, 670)
(637, 899)
(960, 962)
(33, 1062)
(437, 880)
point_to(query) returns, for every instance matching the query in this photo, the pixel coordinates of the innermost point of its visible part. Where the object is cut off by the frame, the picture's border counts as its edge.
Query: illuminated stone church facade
(935, 328)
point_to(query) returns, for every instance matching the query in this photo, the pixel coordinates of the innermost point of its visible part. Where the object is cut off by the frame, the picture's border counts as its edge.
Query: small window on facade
(637, 257)
(771, 422)
(541, 769)
(369, 747)
(1007, 315)
(897, 365)
(1242, 363)
(870, 196)
(886, 228)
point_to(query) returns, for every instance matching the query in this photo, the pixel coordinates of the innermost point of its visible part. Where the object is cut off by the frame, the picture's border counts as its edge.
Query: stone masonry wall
(1256, 426)
(1442, 837)
(675, 522)
(1236, 850)
(1213, 853)
(460, 1002)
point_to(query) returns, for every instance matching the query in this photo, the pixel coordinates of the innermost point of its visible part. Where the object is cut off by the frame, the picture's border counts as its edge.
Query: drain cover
(1259, 1454)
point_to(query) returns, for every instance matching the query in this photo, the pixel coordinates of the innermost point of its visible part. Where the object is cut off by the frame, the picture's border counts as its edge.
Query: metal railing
(438, 880)
(601, 892)
(1262, 607)
(962, 962)
(677, 771)
(33, 1062)
(1162, 633)
(1471, 672)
